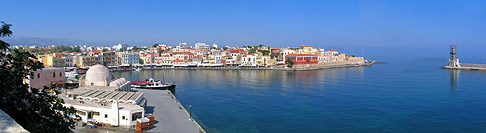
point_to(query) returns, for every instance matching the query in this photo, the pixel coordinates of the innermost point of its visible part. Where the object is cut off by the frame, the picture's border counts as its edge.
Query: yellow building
(266, 61)
(52, 60)
(305, 49)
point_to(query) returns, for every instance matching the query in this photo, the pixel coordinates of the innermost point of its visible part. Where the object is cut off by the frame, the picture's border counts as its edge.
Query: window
(38, 75)
(53, 75)
(80, 112)
(136, 116)
(123, 117)
(96, 113)
(60, 75)
(92, 84)
(106, 115)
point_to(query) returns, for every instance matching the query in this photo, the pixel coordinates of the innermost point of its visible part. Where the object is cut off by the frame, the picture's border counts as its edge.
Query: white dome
(98, 73)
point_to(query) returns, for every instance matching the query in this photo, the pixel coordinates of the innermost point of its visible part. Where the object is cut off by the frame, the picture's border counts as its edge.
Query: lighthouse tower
(453, 61)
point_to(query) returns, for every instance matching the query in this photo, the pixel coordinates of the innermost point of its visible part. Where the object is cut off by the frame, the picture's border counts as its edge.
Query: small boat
(71, 74)
(153, 84)
(138, 69)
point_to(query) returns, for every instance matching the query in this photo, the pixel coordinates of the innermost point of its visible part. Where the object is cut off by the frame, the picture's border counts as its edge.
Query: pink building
(46, 77)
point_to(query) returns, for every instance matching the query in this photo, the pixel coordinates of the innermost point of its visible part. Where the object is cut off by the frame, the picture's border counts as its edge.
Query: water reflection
(454, 77)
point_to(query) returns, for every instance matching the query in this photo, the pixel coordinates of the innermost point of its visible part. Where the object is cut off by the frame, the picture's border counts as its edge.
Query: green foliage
(34, 110)
(65, 48)
(224, 48)
(265, 52)
(104, 50)
(252, 49)
(289, 62)
(155, 45)
(135, 48)
(76, 49)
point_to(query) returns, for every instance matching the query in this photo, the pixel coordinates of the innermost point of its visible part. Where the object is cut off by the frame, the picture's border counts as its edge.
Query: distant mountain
(43, 41)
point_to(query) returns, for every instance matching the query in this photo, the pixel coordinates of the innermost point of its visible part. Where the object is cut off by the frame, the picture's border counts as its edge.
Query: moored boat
(153, 84)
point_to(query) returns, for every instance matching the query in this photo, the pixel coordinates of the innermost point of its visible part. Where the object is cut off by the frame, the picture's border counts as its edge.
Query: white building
(102, 98)
(120, 47)
(68, 61)
(130, 58)
(182, 45)
(201, 45)
(248, 60)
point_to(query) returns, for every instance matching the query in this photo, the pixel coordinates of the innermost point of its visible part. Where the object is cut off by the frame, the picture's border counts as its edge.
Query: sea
(406, 91)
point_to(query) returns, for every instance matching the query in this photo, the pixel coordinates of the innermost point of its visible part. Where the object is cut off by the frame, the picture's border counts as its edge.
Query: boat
(138, 69)
(153, 84)
(71, 74)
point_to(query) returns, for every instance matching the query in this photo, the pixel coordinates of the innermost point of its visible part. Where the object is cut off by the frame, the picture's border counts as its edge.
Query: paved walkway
(169, 117)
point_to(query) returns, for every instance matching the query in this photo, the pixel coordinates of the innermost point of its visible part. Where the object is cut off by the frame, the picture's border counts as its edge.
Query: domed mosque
(98, 76)
(102, 98)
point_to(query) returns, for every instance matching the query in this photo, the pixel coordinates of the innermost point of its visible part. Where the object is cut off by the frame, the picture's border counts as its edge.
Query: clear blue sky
(333, 23)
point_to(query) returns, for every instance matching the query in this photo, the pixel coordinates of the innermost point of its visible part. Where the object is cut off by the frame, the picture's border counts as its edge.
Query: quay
(171, 116)
(454, 63)
(325, 66)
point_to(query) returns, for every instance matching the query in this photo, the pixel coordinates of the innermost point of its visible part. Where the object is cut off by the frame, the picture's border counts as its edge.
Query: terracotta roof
(332, 51)
(96, 51)
(301, 55)
(305, 46)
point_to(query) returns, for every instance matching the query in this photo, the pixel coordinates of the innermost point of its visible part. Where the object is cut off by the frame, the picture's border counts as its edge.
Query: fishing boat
(153, 84)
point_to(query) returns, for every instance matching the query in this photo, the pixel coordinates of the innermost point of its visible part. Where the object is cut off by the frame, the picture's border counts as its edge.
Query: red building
(302, 58)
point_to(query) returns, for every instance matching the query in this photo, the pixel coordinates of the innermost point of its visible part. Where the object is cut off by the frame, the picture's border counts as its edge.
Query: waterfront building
(248, 60)
(266, 61)
(299, 59)
(166, 60)
(148, 59)
(78, 61)
(68, 61)
(103, 98)
(48, 77)
(352, 59)
(180, 58)
(128, 58)
(108, 58)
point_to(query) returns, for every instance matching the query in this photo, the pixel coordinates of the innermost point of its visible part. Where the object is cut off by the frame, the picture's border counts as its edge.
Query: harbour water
(411, 94)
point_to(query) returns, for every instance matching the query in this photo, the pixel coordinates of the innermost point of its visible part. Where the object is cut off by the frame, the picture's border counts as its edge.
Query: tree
(155, 45)
(290, 63)
(35, 110)
(135, 48)
(77, 49)
(104, 50)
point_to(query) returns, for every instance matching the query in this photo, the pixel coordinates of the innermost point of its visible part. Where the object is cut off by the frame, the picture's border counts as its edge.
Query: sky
(321, 23)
